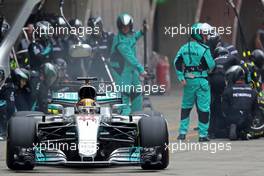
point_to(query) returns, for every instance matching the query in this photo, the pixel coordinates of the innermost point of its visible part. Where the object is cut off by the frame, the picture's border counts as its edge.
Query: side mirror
(117, 108)
(55, 109)
(80, 50)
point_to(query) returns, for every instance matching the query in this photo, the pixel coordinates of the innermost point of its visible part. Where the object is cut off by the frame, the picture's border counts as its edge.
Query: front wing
(121, 157)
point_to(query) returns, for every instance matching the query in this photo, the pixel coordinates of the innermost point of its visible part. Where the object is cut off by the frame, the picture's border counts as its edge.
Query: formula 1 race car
(83, 127)
(89, 133)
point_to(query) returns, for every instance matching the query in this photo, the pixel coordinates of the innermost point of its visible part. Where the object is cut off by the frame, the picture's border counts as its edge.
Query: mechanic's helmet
(87, 92)
(76, 23)
(213, 40)
(43, 29)
(234, 74)
(207, 29)
(49, 72)
(87, 105)
(196, 33)
(4, 27)
(20, 74)
(200, 29)
(125, 21)
(221, 51)
(61, 66)
(94, 22)
(258, 58)
(61, 22)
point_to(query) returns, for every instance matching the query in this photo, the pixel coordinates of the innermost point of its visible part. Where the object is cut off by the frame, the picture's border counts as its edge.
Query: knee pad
(203, 117)
(185, 113)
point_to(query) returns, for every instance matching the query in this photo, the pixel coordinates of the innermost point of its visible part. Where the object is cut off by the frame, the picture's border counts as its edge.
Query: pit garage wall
(251, 15)
(219, 13)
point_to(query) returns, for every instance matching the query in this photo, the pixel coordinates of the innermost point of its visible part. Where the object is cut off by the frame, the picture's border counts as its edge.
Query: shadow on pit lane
(79, 170)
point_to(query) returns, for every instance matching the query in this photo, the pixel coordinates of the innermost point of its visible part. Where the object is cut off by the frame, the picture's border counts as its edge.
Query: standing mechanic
(192, 63)
(126, 69)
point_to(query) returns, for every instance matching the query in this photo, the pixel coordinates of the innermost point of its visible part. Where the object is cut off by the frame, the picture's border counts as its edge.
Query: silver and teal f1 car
(87, 135)
(80, 135)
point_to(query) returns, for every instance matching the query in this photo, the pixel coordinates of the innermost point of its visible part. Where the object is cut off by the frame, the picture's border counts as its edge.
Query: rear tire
(21, 134)
(257, 128)
(153, 132)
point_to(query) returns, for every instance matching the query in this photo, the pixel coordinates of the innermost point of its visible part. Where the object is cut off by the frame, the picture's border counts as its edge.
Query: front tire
(21, 135)
(153, 132)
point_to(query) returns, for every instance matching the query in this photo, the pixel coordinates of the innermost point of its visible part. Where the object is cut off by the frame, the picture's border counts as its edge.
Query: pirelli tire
(21, 135)
(153, 131)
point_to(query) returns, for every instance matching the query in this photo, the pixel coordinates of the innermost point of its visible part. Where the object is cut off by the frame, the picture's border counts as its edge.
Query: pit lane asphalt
(245, 157)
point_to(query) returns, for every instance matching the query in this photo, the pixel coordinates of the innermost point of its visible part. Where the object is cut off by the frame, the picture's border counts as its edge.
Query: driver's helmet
(87, 106)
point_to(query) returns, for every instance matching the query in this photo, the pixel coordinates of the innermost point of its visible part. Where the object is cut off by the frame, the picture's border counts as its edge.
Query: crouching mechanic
(223, 61)
(126, 69)
(240, 103)
(192, 63)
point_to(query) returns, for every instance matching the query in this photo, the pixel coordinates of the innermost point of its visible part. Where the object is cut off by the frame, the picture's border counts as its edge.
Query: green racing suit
(126, 70)
(192, 63)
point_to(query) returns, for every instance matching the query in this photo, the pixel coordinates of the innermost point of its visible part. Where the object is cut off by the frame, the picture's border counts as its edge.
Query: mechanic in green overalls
(192, 63)
(125, 66)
